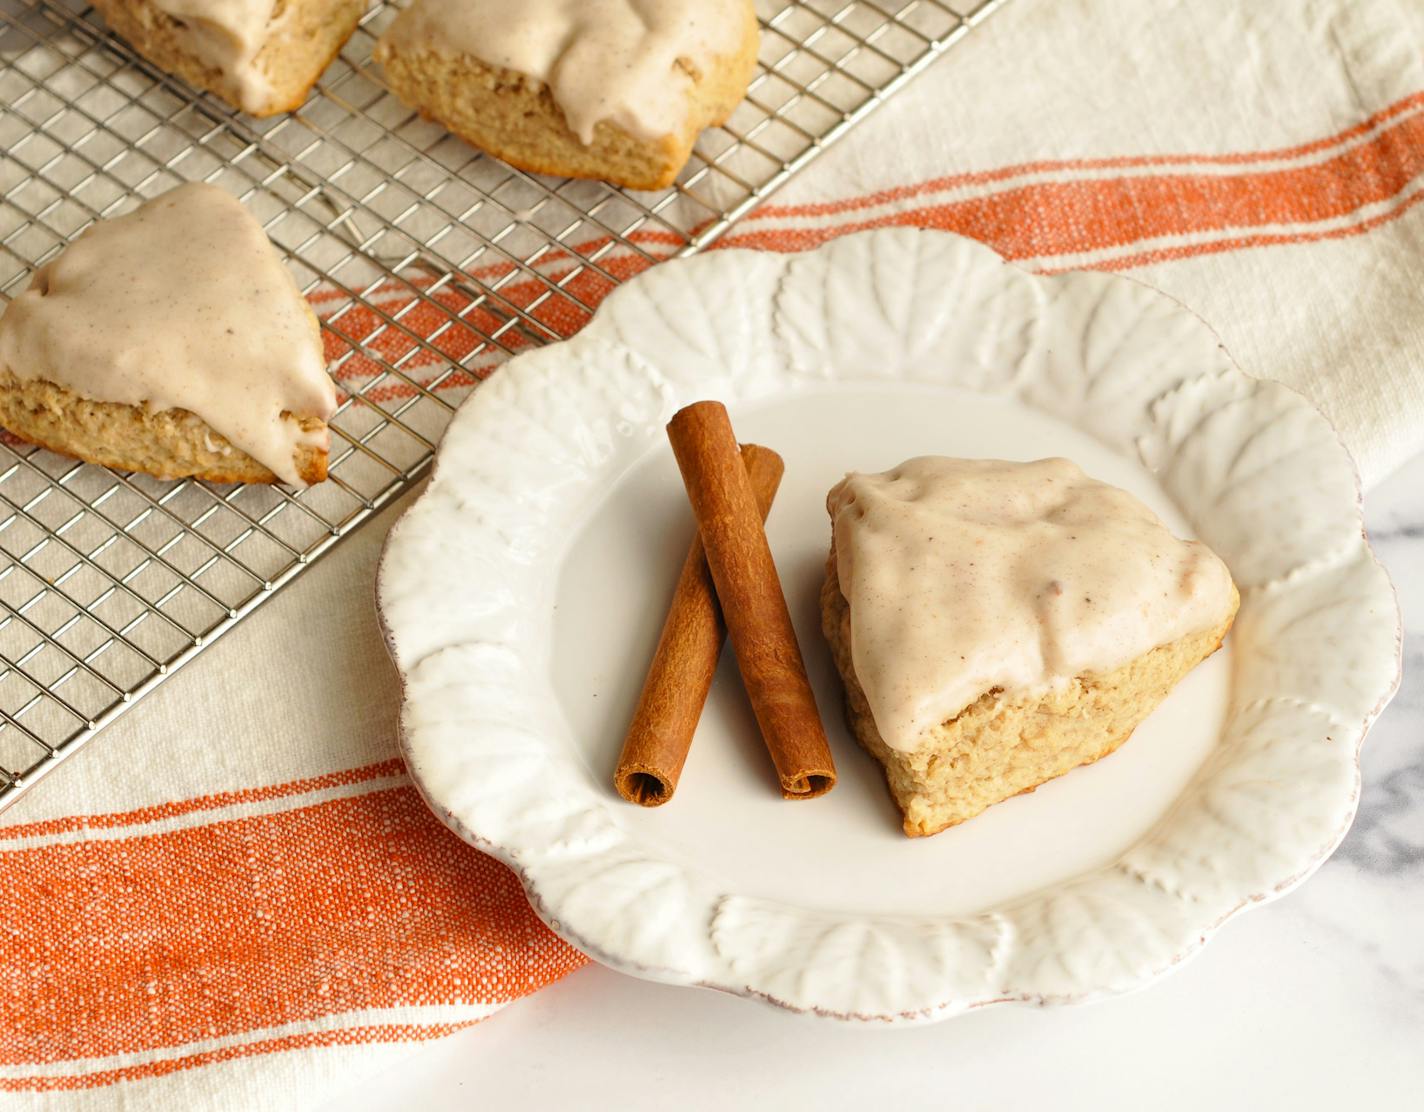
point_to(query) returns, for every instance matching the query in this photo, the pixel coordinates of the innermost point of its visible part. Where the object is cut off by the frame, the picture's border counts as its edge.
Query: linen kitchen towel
(235, 899)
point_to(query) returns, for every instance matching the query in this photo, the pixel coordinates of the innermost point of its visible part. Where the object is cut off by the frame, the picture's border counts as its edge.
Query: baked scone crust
(999, 747)
(171, 340)
(515, 118)
(169, 444)
(292, 59)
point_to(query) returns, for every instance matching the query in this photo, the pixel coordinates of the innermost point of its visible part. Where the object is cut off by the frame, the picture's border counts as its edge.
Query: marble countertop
(1312, 1002)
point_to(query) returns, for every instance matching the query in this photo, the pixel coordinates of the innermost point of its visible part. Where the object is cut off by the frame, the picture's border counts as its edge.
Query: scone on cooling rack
(171, 341)
(998, 624)
(611, 89)
(261, 56)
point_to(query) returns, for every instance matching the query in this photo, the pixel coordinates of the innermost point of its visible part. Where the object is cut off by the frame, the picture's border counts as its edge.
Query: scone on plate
(171, 341)
(610, 89)
(261, 56)
(998, 624)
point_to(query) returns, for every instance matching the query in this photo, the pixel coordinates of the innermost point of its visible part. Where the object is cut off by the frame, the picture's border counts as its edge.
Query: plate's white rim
(1177, 417)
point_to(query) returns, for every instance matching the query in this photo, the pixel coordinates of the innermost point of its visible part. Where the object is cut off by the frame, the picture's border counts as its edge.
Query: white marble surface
(1316, 1001)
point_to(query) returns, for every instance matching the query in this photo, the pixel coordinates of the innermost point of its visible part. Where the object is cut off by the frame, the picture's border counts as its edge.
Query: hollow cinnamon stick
(753, 605)
(684, 662)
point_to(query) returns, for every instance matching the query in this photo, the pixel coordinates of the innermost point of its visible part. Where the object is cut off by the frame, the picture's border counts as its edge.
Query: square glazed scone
(998, 624)
(612, 89)
(172, 341)
(261, 56)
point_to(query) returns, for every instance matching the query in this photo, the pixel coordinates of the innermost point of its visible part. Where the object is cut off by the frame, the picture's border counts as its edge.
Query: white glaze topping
(614, 60)
(227, 35)
(968, 575)
(181, 304)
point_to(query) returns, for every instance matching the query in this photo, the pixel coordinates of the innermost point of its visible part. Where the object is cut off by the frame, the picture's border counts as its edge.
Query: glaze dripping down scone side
(998, 624)
(261, 56)
(617, 90)
(171, 341)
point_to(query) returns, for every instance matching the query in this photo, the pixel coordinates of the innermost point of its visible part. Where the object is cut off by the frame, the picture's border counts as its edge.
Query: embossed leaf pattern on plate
(902, 305)
(1258, 472)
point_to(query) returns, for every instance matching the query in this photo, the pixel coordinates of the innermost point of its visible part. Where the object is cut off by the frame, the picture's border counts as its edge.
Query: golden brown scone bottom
(996, 747)
(293, 58)
(515, 118)
(170, 444)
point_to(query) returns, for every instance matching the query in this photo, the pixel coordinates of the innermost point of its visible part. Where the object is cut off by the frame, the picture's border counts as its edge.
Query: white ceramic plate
(523, 593)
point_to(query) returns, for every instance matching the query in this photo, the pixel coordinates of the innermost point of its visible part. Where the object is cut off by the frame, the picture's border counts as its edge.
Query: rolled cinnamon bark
(680, 675)
(753, 605)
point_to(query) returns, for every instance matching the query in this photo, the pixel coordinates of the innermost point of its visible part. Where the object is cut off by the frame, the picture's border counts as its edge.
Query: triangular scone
(998, 624)
(611, 89)
(261, 56)
(171, 341)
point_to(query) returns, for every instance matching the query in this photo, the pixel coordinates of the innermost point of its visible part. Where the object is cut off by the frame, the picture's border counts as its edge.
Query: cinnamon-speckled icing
(227, 35)
(614, 60)
(965, 575)
(181, 304)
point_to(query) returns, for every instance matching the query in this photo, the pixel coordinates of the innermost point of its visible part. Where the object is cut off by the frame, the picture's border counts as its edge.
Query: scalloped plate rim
(942, 1009)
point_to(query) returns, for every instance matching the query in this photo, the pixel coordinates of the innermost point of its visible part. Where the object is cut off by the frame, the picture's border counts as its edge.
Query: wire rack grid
(427, 263)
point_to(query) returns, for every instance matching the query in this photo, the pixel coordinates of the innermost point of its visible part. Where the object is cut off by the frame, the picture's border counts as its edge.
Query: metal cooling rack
(428, 264)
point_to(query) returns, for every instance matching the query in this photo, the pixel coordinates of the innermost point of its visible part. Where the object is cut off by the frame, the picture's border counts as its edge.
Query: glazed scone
(261, 56)
(612, 89)
(998, 624)
(171, 341)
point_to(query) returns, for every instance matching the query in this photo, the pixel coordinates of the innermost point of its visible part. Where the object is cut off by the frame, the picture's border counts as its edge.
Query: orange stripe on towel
(1044, 219)
(1079, 165)
(124, 945)
(347, 1036)
(142, 815)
